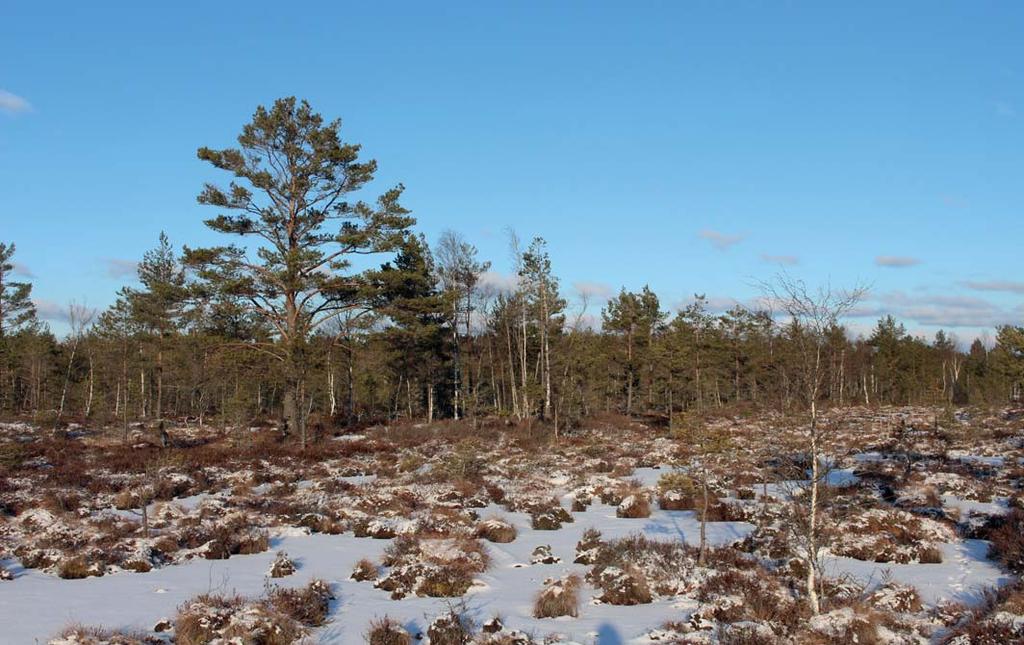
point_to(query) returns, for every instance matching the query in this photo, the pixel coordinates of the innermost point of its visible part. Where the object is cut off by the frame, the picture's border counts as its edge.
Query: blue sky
(690, 146)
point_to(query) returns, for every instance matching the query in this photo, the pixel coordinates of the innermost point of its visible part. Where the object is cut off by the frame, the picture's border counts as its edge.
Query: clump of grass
(308, 605)
(75, 568)
(386, 631)
(282, 566)
(634, 507)
(99, 636)
(364, 570)
(452, 628)
(676, 492)
(559, 598)
(496, 530)
(1008, 541)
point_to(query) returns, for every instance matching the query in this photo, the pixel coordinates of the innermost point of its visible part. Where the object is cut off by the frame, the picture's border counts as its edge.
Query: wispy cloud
(896, 261)
(716, 304)
(118, 268)
(1007, 286)
(50, 310)
(498, 282)
(719, 240)
(593, 290)
(23, 270)
(13, 104)
(784, 260)
(935, 310)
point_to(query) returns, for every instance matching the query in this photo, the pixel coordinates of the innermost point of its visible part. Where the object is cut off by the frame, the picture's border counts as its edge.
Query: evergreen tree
(408, 296)
(1008, 357)
(295, 174)
(16, 308)
(636, 318)
(17, 313)
(539, 288)
(159, 306)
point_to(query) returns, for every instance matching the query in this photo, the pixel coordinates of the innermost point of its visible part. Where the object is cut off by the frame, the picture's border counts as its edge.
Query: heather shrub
(558, 598)
(385, 631)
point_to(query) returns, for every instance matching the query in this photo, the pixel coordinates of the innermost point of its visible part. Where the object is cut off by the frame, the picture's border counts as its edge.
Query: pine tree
(539, 288)
(635, 317)
(294, 174)
(1008, 358)
(16, 313)
(16, 308)
(408, 296)
(159, 306)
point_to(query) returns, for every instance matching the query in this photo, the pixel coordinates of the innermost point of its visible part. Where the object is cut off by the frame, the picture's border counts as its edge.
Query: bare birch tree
(814, 312)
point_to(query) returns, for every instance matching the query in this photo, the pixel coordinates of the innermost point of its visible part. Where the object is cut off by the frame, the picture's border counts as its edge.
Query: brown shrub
(622, 586)
(764, 599)
(308, 605)
(930, 555)
(261, 625)
(550, 519)
(385, 631)
(445, 582)
(99, 636)
(723, 512)
(138, 565)
(282, 566)
(634, 506)
(200, 619)
(896, 597)
(364, 570)
(496, 530)
(75, 568)
(589, 547)
(558, 598)
(1008, 541)
(251, 542)
(450, 629)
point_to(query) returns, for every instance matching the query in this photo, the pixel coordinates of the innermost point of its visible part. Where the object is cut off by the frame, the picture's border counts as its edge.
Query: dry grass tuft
(82, 635)
(364, 570)
(634, 507)
(76, 568)
(559, 598)
(452, 628)
(385, 631)
(496, 530)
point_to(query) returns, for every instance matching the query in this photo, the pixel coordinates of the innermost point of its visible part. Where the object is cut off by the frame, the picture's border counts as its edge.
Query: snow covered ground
(36, 605)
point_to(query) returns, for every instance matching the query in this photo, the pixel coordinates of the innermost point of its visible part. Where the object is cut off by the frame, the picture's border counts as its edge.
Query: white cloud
(498, 282)
(118, 268)
(716, 304)
(719, 240)
(784, 260)
(896, 261)
(13, 104)
(592, 290)
(50, 310)
(1008, 286)
(935, 310)
(22, 270)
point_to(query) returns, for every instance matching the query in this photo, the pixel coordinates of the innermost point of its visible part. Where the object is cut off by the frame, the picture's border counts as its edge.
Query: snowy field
(910, 550)
(37, 605)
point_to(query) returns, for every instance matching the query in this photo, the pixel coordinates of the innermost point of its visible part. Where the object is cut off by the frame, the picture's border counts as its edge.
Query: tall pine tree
(293, 175)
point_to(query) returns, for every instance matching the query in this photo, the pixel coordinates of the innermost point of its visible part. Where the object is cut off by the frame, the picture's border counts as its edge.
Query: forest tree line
(286, 324)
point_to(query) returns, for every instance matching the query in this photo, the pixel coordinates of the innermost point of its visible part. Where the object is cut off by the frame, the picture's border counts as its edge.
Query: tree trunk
(159, 410)
(92, 381)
